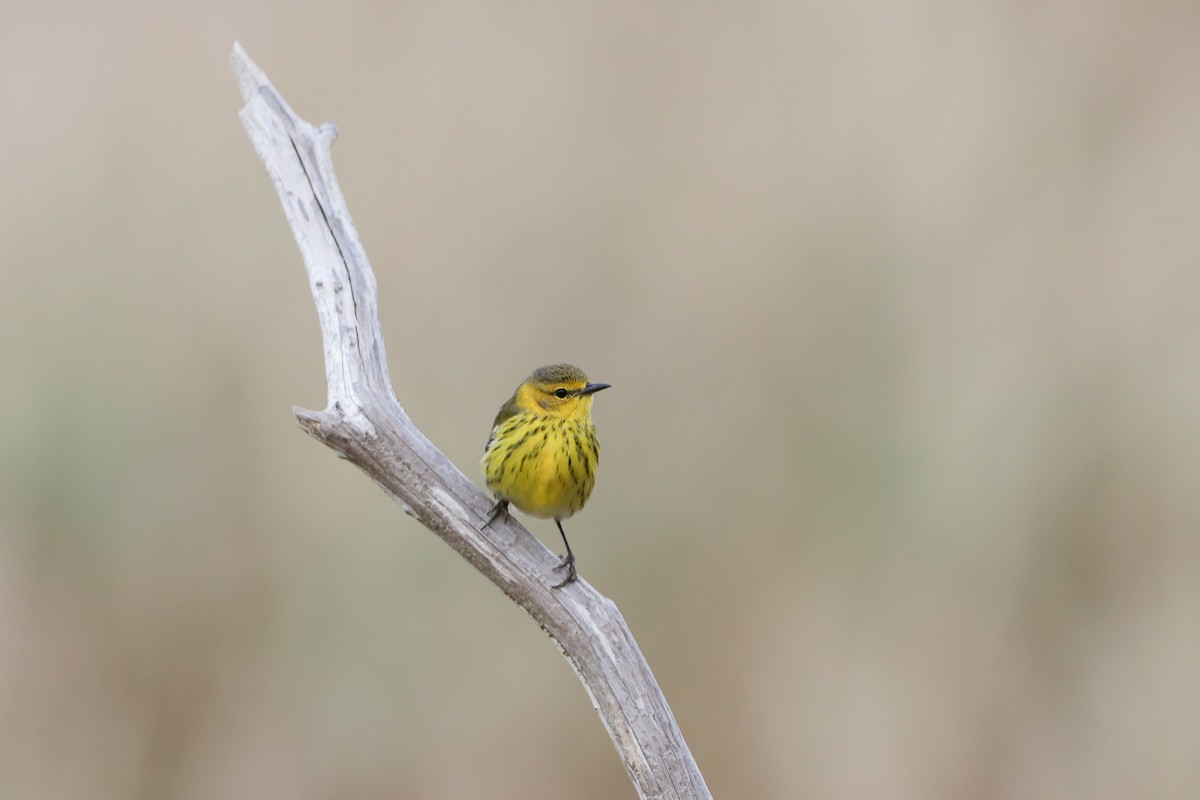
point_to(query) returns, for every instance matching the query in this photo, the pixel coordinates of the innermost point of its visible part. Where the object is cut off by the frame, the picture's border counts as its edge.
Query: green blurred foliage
(898, 488)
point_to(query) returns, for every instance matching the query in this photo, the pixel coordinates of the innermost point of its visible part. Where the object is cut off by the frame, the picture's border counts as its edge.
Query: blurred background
(899, 479)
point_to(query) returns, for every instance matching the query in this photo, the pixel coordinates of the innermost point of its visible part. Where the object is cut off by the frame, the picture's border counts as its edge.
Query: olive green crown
(558, 373)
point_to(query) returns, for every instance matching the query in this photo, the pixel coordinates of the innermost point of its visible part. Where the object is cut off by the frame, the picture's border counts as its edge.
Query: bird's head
(559, 390)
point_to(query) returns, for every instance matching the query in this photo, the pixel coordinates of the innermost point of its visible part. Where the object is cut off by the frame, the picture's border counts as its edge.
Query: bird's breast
(544, 466)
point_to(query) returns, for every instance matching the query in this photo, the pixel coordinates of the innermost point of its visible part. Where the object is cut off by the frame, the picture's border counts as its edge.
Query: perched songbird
(542, 453)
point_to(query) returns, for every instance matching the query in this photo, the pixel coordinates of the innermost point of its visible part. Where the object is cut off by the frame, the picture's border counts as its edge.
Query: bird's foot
(568, 563)
(498, 510)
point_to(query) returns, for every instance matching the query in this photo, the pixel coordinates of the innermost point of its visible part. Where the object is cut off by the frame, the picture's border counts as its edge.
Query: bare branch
(365, 424)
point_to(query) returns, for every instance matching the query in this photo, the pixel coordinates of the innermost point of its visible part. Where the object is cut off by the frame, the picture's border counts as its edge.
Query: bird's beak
(592, 388)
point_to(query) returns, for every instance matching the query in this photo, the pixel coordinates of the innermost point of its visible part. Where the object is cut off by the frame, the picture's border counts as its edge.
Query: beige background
(899, 480)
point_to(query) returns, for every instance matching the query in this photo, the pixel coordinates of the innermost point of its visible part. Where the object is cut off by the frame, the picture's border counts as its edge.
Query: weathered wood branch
(365, 424)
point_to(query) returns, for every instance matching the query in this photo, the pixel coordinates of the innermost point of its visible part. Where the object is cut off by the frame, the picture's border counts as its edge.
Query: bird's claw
(498, 510)
(568, 563)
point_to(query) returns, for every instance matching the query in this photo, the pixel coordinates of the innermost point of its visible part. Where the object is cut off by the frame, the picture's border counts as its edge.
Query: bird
(542, 453)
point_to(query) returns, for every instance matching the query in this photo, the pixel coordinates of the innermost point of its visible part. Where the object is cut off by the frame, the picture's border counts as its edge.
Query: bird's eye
(560, 393)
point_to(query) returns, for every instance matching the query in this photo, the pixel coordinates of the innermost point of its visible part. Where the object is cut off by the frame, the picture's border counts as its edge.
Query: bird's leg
(568, 562)
(499, 510)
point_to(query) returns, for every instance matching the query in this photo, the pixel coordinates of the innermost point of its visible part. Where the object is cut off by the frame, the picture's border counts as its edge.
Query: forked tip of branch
(335, 425)
(316, 423)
